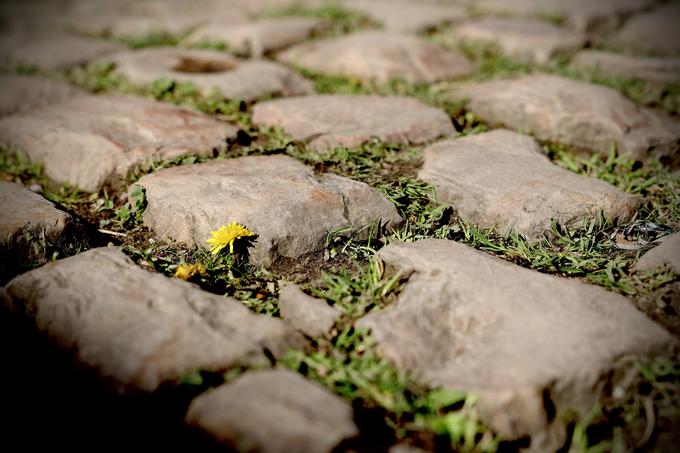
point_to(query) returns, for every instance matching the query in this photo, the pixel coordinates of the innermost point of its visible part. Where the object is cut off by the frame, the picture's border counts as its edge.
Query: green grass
(151, 39)
(338, 20)
(652, 180)
(348, 365)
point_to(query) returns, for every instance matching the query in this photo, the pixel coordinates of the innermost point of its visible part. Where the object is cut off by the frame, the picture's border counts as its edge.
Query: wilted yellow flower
(226, 235)
(186, 271)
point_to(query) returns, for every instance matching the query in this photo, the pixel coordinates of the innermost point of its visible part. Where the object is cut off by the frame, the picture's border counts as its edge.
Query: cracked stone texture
(258, 37)
(309, 315)
(528, 40)
(138, 328)
(579, 114)
(665, 254)
(646, 68)
(51, 50)
(408, 16)
(89, 141)
(20, 92)
(508, 341)
(582, 15)
(31, 227)
(654, 31)
(381, 56)
(502, 179)
(208, 70)
(274, 411)
(290, 208)
(329, 121)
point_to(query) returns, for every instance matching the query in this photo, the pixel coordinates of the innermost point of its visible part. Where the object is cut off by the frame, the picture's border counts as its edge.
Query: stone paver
(89, 141)
(31, 227)
(527, 40)
(470, 321)
(309, 315)
(51, 50)
(655, 31)
(274, 411)
(502, 179)
(138, 328)
(136, 19)
(665, 254)
(582, 15)
(280, 199)
(208, 70)
(379, 55)
(579, 114)
(646, 68)
(329, 121)
(408, 16)
(20, 93)
(258, 37)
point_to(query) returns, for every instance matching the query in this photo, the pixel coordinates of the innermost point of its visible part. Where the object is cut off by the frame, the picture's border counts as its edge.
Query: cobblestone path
(348, 226)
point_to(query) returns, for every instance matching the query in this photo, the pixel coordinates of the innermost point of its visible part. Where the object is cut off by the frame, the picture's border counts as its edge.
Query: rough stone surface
(20, 93)
(89, 141)
(31, 228)
(646, 68)
(655, 31)
(137, 19)
(258, 37)
(380, 56)
(407, 16)
(528, 40)
(208, 70)
(511, 342)
(665, 254)
(502, 179)
(51, 50)
(331, 121)
(309, 315)
(579, 114)
(283, 201)
(274, 411)
(140, 328)
(582, 15)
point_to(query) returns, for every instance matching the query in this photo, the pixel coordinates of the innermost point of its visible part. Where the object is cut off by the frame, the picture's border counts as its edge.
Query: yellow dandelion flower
(226, 235)
(186, 271)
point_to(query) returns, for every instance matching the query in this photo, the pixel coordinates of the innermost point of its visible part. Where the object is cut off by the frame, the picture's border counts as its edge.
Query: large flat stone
(280, 199)
(330, 121)
(31, 228)
(527, 40)
(209, 70)
(274, 411)
(665, 254)
(582, 15)
(579, 114)
(89, 141)
(470, 321)
(502, 179)
(654, 31)
(646, 68)
(412, 17)
(379, 55)
(51, 50)
(20, 93)
(258, 37)
(138, 328)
